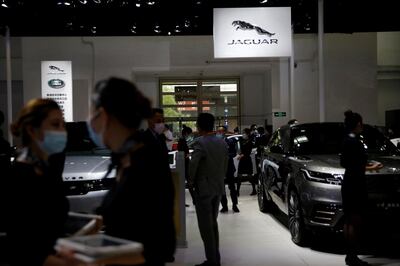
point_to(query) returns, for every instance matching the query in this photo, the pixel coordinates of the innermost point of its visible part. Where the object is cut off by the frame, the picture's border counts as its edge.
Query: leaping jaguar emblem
(243, 25)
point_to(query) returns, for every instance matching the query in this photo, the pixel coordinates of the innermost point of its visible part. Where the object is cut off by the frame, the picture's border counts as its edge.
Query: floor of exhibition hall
(252, 238)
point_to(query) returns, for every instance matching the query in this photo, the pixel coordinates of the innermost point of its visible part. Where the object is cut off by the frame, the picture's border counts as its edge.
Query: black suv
(302, 176)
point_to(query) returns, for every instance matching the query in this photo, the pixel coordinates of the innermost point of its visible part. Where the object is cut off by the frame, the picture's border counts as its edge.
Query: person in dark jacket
(129, 210)
(230, 173)
(183, 146)
(354, 192)
(154, 133)
(37, 209)
(245, 166)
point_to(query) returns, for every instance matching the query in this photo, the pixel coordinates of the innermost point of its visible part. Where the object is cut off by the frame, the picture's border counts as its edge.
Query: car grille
(83, 187)
(325, 214)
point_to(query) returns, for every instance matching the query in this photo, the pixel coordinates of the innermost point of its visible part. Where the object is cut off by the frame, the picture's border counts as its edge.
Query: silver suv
(84, 170)
(302, 176)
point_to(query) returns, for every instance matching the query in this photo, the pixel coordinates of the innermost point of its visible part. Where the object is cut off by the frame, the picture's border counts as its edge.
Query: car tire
(264, 204)
(297, 229)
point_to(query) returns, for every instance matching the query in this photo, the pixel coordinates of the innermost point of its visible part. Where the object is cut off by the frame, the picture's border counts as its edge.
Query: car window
(328, 139)
(375, 142)
(79, 141)
(275, 142)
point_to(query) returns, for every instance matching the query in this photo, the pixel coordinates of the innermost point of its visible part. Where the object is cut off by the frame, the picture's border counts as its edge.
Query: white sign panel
(252, 32)
(57, 85)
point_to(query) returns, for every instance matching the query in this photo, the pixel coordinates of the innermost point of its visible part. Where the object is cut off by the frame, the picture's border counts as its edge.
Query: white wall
(389, 97)
(350, 59)
(351, 67)
(388, 48)
(144, 60)
(388, 73)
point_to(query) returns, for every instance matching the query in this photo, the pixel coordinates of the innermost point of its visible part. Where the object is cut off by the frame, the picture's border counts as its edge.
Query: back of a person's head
(32, 115)
(261, 130)
(247, 131)
(186, 130)
(121, 99)
(205, 122)
(351, 120)
(155, 111)
(292, 121)
(223, 128)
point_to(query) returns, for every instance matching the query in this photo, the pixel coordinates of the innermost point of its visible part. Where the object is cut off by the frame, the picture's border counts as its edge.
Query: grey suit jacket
(208, 166)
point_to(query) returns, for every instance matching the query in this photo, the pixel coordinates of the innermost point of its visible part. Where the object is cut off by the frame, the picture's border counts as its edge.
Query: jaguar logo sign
(252, 32)
(54, 68)
(56, 83)
(243, 25)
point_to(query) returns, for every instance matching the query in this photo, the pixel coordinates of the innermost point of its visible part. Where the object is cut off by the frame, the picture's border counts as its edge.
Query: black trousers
(231, 185)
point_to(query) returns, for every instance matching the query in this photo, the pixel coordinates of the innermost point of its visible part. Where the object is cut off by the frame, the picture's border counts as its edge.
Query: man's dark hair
(157, 111)
(186, 130)
(121, 99)
(292, 121)
(261, 130)
(205, 122)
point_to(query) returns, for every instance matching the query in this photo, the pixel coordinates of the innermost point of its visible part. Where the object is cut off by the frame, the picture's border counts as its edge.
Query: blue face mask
(94, 136)
(53, 142)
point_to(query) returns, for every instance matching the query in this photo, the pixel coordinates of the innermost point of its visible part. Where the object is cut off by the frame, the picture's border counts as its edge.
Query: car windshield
(328, 138)
(79, 141)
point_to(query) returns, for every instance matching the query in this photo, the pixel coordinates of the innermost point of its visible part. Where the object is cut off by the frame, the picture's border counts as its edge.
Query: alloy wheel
(295, 218)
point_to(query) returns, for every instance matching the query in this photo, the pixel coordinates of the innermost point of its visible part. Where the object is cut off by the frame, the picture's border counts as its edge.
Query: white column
(291, 88)
(321, 73)
(9, 83)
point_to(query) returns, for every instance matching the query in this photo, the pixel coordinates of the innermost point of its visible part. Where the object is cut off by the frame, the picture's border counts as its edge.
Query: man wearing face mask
(154, 134)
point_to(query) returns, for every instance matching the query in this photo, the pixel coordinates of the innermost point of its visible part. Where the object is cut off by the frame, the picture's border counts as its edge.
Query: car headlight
(333, 179)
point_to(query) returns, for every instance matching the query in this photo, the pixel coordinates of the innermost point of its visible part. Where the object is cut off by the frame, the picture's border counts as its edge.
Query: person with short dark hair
(156, 127)
(207, 172)
(230, 173)
(293, 122)
(245, 166)
(183, 146)
(129, 210)
(354, 189)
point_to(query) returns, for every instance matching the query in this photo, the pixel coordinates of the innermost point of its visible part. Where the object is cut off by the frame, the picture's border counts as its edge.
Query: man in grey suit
(207, 169)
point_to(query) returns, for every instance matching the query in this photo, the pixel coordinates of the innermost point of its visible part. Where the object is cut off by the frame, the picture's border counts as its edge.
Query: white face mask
(159, 128)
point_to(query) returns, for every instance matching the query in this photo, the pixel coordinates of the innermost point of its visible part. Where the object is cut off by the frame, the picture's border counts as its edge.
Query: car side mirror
(276, 149)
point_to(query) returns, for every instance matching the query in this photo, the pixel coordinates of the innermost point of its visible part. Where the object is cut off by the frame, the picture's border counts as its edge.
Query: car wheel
(264, 204)
(296, 222)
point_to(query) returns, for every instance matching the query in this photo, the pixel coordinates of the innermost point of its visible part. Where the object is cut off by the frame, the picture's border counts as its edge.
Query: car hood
(86, 167)
(330, 163)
